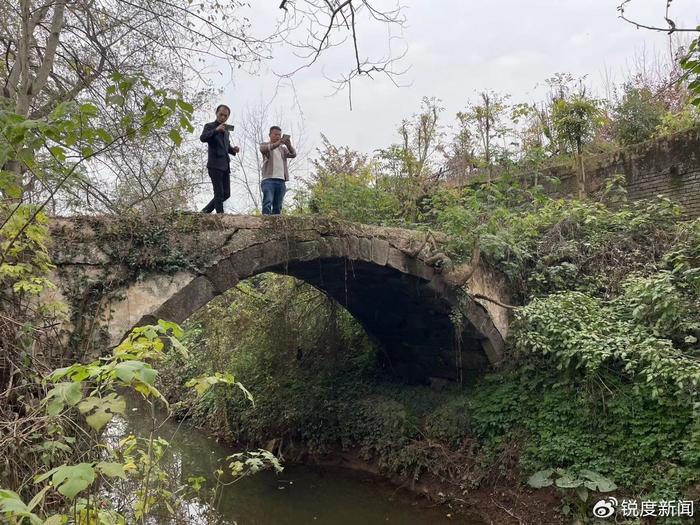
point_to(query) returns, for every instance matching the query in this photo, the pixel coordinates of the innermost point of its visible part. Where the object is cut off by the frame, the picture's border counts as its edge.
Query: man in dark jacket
(216, 136)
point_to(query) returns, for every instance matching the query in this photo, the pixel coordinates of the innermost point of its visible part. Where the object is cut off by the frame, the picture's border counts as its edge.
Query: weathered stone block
(325, 248)
(365, 249)
(379, 252)
(246, 262)
(222, 275)
(352, 247)
(307, 251)
(338, 247)
(187, 301)
(276, 253)
(495, 352)
(239, 240)
(419, 268)
(143, 298)
(397, 260)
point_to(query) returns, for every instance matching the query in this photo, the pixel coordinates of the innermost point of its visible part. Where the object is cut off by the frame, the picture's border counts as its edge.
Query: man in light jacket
(275, 172)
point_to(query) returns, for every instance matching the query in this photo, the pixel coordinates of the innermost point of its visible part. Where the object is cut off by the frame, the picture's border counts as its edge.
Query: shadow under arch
(401, 302)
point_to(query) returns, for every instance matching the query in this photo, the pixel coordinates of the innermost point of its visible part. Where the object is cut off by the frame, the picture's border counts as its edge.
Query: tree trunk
(581, 173)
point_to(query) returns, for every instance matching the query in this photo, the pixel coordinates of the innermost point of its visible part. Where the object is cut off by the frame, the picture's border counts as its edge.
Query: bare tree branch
(340, 19)
(670, 29)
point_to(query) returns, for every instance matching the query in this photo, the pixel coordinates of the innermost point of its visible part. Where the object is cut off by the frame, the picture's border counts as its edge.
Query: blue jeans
(273, 191)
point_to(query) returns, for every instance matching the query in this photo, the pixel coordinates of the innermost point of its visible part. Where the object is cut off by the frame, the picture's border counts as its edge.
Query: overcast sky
(455, 48)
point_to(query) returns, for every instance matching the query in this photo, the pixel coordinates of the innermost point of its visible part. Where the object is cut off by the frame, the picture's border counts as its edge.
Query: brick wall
(669, 167)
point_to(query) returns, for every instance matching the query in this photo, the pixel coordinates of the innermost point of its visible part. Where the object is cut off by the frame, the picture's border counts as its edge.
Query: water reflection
(300, 495)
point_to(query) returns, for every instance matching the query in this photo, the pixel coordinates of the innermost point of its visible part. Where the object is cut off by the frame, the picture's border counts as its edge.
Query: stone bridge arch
(118, 274)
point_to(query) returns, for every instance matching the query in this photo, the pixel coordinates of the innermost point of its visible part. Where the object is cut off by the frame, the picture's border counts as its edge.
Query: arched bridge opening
(424, 326)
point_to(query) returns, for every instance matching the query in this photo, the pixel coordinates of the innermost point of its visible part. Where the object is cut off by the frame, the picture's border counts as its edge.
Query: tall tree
(575, 120)
(335, 160)
(637, 114)
(411, 164)
(460, 153)
(56, 51)
(689, 61)
(487, 118)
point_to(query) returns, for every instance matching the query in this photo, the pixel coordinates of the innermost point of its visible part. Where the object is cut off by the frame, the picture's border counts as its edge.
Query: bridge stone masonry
(119, 273)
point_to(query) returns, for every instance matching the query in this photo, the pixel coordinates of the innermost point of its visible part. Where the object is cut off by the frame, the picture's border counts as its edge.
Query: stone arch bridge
(120, 273)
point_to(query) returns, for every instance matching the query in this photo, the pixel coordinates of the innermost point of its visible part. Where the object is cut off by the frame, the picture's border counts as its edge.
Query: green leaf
(196, 482)
(582, 493)
(112, 402)
(11, 502)
(598, 481)
(39, 496)
(115, 99)
(99, 419)
(104, 135)
(606, 486)
(26, 155)
(179, 348)
(89, 109)
(541, 479)
(185, 106)
(128, 371)
(112, 470)
(53, 446)
(9, 185)
(171, 327)
(63, 394)
(60, 111)
(14, 191)
(150, 332)
(246, 393)
(567, 482)
(46, 475)
(150, 391)
(203, 383)
(58, 152)
(175, 136)
(70, 480)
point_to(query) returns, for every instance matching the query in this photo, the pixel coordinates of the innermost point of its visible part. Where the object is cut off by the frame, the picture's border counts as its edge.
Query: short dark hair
(223, 106)
(273, 128)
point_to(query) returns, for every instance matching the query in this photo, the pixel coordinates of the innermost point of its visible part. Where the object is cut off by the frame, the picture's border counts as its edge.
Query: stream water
(299, 495)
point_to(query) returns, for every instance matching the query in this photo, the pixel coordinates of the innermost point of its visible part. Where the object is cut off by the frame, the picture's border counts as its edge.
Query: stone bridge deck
(119, 273)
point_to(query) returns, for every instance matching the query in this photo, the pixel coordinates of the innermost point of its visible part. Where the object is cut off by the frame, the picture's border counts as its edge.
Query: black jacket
(219, 146)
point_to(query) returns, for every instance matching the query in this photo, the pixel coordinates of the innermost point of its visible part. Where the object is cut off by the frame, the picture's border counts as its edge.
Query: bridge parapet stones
(402, 302)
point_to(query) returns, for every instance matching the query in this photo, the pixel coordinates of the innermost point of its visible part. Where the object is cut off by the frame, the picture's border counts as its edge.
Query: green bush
(637, 115)
(359, 198)
(602, 376)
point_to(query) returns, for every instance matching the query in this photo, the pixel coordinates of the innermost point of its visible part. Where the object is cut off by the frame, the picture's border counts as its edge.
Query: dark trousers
(273, 191)
(221, 181)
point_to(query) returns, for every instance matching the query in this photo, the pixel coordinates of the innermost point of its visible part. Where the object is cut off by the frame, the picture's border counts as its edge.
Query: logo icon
(605, 508)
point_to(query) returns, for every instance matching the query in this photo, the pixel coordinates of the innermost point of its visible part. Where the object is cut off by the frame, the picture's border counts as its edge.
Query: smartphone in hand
(285, 138)
(229, 127)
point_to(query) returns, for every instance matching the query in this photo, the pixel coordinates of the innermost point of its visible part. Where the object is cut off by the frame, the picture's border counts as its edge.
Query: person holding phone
(275, 172)
(216, 135)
